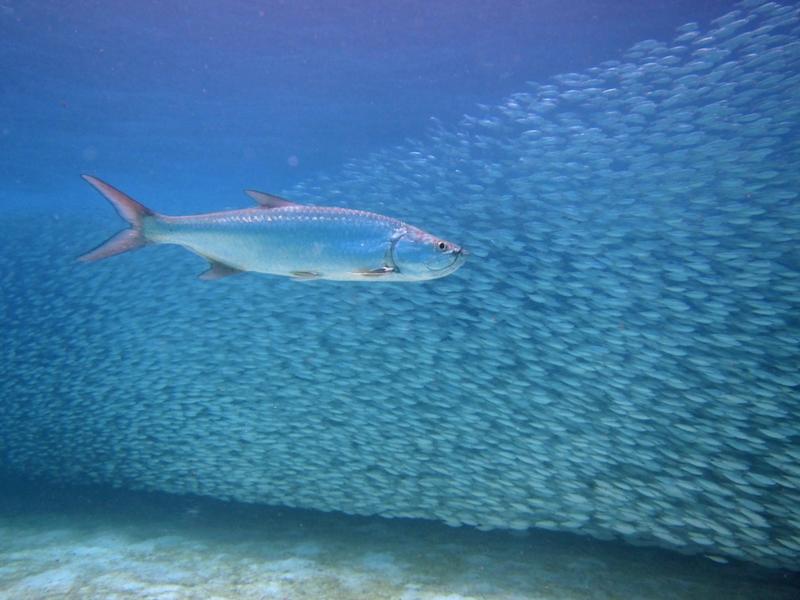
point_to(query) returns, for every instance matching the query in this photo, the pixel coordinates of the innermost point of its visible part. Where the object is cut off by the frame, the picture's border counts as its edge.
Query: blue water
(175, 91)
(614, 368)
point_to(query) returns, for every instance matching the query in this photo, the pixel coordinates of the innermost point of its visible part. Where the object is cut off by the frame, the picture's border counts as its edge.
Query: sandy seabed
(85, 543)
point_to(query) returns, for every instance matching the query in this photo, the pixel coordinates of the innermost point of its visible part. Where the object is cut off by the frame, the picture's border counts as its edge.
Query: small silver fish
(284, 238)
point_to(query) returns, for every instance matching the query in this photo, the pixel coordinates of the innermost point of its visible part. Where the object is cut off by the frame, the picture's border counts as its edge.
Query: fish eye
(441, 246)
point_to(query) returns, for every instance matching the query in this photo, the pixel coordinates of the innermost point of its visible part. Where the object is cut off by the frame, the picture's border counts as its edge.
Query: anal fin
(218, 270)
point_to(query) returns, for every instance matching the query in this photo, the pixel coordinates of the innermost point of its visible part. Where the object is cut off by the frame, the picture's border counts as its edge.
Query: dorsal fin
(268, 200)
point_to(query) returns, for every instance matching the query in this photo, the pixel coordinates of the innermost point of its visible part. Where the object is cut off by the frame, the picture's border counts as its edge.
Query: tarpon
(281, 237)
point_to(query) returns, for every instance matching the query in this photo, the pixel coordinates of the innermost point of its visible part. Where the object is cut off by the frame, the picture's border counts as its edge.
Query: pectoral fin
(218, 270)
(379, 272)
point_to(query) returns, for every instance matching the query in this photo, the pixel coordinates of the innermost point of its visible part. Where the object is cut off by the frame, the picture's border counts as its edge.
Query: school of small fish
(620, 357)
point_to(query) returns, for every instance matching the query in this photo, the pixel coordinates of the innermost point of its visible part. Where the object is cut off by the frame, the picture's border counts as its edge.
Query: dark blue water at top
(201, 99)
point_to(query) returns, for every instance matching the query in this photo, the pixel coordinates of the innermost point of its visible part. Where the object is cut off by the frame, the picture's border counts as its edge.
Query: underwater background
(602, 402)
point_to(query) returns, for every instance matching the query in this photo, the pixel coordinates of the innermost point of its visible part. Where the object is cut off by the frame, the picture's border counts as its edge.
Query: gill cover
(422, 256)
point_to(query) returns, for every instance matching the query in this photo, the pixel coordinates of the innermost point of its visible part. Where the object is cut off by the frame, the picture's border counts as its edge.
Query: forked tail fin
(127, 208)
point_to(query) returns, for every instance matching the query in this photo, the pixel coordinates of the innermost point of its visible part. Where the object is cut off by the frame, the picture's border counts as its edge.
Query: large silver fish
(283, 238)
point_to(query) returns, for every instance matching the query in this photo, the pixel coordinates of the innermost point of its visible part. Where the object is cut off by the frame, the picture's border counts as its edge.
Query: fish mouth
(458, 257)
